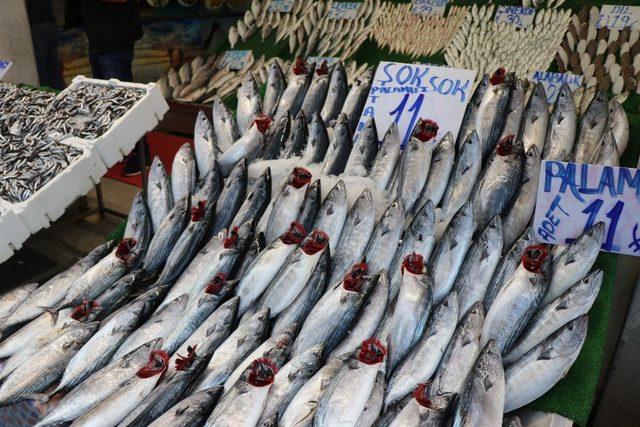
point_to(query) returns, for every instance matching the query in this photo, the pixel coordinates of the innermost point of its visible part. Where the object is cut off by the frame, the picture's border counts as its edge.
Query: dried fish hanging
(402, 31)
(607, 58)
(549, 4)
(483, 45)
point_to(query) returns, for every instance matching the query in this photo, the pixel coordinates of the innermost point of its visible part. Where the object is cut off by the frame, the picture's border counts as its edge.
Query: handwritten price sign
(343, 10)
(519, 16)
(4, 67)
(236, 59)
(428, 7)
(619, 17)
(552, 82)
(572, 197)
(283, 6)
(404, 93)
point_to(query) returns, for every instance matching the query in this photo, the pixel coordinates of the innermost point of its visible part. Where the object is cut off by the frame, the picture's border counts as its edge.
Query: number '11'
(415, 108)
(614, 215)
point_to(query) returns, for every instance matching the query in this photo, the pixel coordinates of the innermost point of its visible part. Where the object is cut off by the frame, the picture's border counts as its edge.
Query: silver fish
(297, 140)
(167, 235)
(248, 146)
(607, 154)
(205, 147)
(249, 103)
(183, 173)
(533, 130)
(318, 141)
(415, 163)
(562, 126)
(310, 205)
(256, 201)
(10, 300)
(333, 214)
(542, 367)
(357, 97)
(442, 160)
(191, 411)
(384, 240)
(231, 197)
(619, 125)
(336, 93)
(317, 92)
(364, 150)
(387, 157)
(293, 95)
(159, 193)
(421, 408)
(592, 126)
(340, 148)
(471, 112)
(491, 115)
(225, 128)
(275, 87)
(515, 110)
(276, 138)
(374, 404)
(287, 203)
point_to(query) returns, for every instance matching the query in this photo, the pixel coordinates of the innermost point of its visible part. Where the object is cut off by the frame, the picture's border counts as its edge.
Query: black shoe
(132, 166)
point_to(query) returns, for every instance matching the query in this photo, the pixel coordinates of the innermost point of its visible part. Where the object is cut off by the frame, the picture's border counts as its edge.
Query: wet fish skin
(384, 240)
(479, 265)
(491, 114)
(356, 97)
(297, 140)
(205, 148)
(574, 262)
(432, 413)
(225, 128)
(293, 95)
(340, 148)
(275, 87)
(333, 213)
(563, 123)
(544, 365)
(533, 130)
(287, 203)
(442, 161)
(619, 125)
(336, 93)
(231, 197)
(276, 138)
(248, 147)
(607, 154)
(191, 411)
(364, 150)
(249, 103)
(317, 142)
(159, 193)
(515, 110)
(384, 164)
(183, 173)
(519, 214)
(317, 92)
(592, 126)
(310, 205)
(257, 200)
(374, 404)
(10, 300)
(471, 112)
(482, 400)
(573, 303)
(413, 170)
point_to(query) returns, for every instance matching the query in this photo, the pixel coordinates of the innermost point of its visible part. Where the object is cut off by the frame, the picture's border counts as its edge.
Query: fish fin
(241, 340)
(466, 340)
(563, 305)
(534, 118)
(53, 312)
(560, 118)
(546, 354)
(39, 397)
(487, 383)
(182, 410)
(330, 210)
(484, 255)
(453, 243)
(570, 260)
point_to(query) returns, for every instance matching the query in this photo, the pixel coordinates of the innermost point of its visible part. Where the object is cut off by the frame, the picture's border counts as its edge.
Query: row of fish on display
(412, 292)
(209, 4)
(32, 124)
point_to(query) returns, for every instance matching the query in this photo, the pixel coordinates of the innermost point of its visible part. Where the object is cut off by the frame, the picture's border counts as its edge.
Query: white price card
(343, 10)
(572, 197)
(519, 16)
(235, 59)
(428, 7)
(318, 60)
(404, 93)
(552, 82)
(283, 6)
(4, 67)
(619, 17)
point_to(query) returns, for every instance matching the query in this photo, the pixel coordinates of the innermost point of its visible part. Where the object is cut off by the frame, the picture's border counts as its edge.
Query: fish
(317, 142)
(442, 161)
(249, 103)
(183, 173)
(422, 408)
(294, 94)
(384, 164)
(340, 148)
(471, 111)
(11, 299)
(544, 365)
(139, 227)
(460, 355)
(255, 248)
(317, 93)
(518, 299)
(332, 214)
(460, 186)
(287, 203)
(563, 123)
(191, 411)
(357, 97)
(330, 318)
(276, 137)
(167, 235)
(384, 240)
(497, 187)
(618, 124)
(573, 303)
(257, 200)
(492, 111)
(225, 129)
(99, 386)
(355, 379)
(159, 193)
(246, 147)
(592, 126)
(45, 366)
(450, 252)
(412, 309)
(364, 150)
(415, 162)
(533, 130)
(244, 403)
(607, 154)
(245, 339)
(113, 298)
(185, 72)
(205, 148)
(231, 197)
(518, 216)
(422, 361)
(372, 409)
(574, 262)
(310, 205)
(336, 93)
(296, 142)
(276, 84)
(482, 400)
(113, 409)
(515, 110)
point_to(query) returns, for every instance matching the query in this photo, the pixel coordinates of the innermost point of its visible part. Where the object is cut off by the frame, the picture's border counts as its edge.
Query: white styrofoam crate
(13, 232)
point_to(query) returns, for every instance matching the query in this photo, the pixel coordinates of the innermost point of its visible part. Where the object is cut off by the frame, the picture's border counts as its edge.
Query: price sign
(4, 67)
(404, 93)
(428, 7)
(553, 81)
(572, 197)
(330, 60)
(283, 6)
(343, 10)
(236, 59)
(619, 17)
(521, 17)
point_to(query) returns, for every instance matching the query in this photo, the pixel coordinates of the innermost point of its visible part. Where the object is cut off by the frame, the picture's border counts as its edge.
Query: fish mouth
(371, 352)
(534, 257)
(158, 363)
(262, 372)
(355, 277)
(426, 129)
(294, 235)
(262, 122)
(413, 263)
(597, 231)
(315, 242)
(299, 177)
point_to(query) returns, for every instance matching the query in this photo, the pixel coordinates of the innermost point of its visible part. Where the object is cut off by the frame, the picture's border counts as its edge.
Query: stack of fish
(483, 45)
(607, 58)
(276, 305)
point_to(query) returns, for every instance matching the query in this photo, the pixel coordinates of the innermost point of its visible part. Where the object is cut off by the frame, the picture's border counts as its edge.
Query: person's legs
(54, 66)
(40, 45)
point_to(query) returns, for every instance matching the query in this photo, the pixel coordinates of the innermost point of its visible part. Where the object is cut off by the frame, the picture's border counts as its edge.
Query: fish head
(474, 319)
(569, 339)
(425, 130)
(354, 278)
(124, 250)
(565, 95)
(84, 310)
(294, 235)
(447, 310)
(588, 241)
(424, 223)
(534, 257)
(214, 287)
(184, 362)
(498, 76)
(261, 372)
(315, 242)
(371, 352)
(311, 360)
(157, 364)
(414, 264)
(299, 177)
(532, 161)
(392, 136)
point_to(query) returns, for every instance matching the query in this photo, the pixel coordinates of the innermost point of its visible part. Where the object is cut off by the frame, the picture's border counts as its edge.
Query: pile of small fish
(401, 30)
(607, 58)
(275, 305)
(32, 124)
(483, 45)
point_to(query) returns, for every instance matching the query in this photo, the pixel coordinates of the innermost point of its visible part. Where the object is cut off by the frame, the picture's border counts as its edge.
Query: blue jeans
(112, 65)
